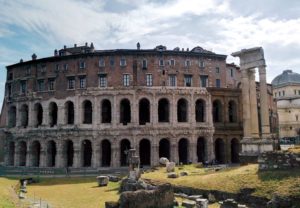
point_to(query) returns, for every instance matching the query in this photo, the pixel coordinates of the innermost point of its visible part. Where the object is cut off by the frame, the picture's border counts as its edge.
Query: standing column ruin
(253, 104)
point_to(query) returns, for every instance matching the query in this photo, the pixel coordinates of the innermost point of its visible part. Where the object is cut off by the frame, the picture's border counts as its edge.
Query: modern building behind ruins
(84, 107)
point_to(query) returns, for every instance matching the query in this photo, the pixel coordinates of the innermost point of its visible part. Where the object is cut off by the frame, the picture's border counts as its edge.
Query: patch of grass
(73, 192)
(6, 192)
(234, 179)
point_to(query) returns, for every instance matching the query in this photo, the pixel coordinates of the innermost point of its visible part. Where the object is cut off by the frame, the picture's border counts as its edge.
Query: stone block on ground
(172, 175)
(229, 203)
(113, 178)
(188, 204)
(163, 160)
(170, 167)
(202, 203)
(102, 180)
(184, 173)
(194, 197)
(211, 198)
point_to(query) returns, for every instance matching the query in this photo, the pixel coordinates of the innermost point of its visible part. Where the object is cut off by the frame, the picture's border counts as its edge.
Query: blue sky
(40, 26)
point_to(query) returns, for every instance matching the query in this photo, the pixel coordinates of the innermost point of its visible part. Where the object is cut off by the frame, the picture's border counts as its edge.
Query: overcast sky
(40, 26)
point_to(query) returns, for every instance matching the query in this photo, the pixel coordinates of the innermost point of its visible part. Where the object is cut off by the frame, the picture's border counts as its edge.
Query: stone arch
(35, 153)
(22, 153)
(68, 153)
(87, 112)
(53, 114)
(24, 115)
(144, 111)
(51, 153)
(217, 111)
(145, 152)
(183, 151)
(12, 116)
(232, 111)
(182, 110)
(235, 149)
(105, 111)
(163, 110)
(86, 153)
(69, 112)
(124, 147)
(200, 110)
(106, 153)
(125, 111)
(220, 151)
(38, 114)
(11, 154)
(164, 148)
(201, 145)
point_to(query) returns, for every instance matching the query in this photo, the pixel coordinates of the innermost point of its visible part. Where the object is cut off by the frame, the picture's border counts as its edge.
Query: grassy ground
(7, 196)
(233, 179)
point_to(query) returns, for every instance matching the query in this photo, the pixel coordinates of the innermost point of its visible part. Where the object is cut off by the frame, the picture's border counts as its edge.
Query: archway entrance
(201, 149)
(51, 153)
(87, 112)
(235, 149)
(87, 153)
(35, 153)
(182, 110)
(217, 111)
(183, 146)
(23, 153)
(220, 150)
(24, 115)
(106, 153)
(200, 110)
(11, 153)
(53, 114)
(145, 152)
(164, 148)
(144, 111)
(125, 112)
(125, 146)
(106, 111)
(38, 110)
(12, 116)
(69, 112)
(163, 110)
(69, 153)
(232, 112)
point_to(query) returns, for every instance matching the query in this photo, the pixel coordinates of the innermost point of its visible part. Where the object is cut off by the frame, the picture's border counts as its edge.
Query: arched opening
(220, 150)
(145, 152)
(106, 111)
(125, 146)
(125, 111)
(164, 148)
(201, 149)
(12, 116)
(22, 153)
(86, 153)
(69, 112)
(35, 153)
(144, 111)
(52, 114)
(87, 112)
(11, 154)
(235, 149)
(217, 111)
(232, 112)
(183, 148)
(38, 112)
(51, 153)
(24, 115)
(163, 110)
(182, 110)
(69, 153)
(200, 110)
(106, 153)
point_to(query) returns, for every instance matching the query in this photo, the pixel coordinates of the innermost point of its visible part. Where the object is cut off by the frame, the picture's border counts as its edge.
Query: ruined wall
(278, 160)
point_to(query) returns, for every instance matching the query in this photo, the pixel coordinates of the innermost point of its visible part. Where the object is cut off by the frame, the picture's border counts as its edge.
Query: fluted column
(209, 148)
(264, 107)
(77, 160)
(174, 151)
(115, 155)
(193, 152)
(60, 157)
(246, 103)
(43, 155)
(96, 154)
(253, 104)
(154, 154)
(61, 120)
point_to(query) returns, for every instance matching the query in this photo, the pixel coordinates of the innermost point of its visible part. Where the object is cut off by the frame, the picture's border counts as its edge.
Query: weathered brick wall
(278, 160)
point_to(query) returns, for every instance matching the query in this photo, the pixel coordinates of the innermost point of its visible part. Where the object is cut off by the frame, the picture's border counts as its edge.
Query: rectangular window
(43, 68)
(126, 80)
(66, 67)
(218, 83)
(203, 81)
(9, 90)
(71, 83)
(279, 93)
(201, 64)
(275, 94)
(298, 92)
(23, 87)
(51, 84)
(231, 72)
(82, 64)
(122, 61)
(188, 63)
(188, 80)
(161, 62)
(101, 62)
(172, 80)
(102, 80)
(149, 81)
(295, 91)
(41, 85)
(283, 93)
(28, 71)
(10, 76)
(82, 82)
(172, 62)
(57, 68)
(217, 70)
(111, 61)
(145, 65)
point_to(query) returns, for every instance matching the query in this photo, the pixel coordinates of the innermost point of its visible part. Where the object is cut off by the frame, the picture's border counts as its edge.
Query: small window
(231, 72)
(188, 80)
(145, 65)
(161, 62)
(203, 81)
(23, 87)
(57, 67)
(82, 82)
(172, 80)
(28, 71)
(9, 92)
(149, 81)
(218, 83)
(201, 64)
(172, 62)
(279, 93)
(71, 83)
(275, 94)
(295, 91)
(122, 61)
(10, 76)
(298, 92)
(51, 84)
(297, 117)
(188, 63)
(41, 85)
(66, 67)
(102, 80)
(82, 64)
(43, 68)
(101, 62)
(283, 93)
(111, 61)
(126, 80)
(217, 70)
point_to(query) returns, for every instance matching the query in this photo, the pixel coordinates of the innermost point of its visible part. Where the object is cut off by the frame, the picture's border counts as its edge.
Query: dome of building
(287, 77)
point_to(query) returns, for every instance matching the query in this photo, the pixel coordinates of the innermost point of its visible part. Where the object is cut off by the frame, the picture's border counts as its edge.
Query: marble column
(77, 160)
(253, 104)
(28, 155)
(209, 148)
(43, 156)
(174, 151)
(264, 107)
(154, 154)
(246, 103)
(193, 157)
(115, 155)
(17, 155)
(60, 157)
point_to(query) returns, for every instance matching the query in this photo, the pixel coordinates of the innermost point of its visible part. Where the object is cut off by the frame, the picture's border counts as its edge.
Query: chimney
(187, 49)
(55, 52)
(75, 45)
(34, 56)
(21, 60)
(86, 44)
(182, 49)
(92, 47)
(65, 47)
(138, 46)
